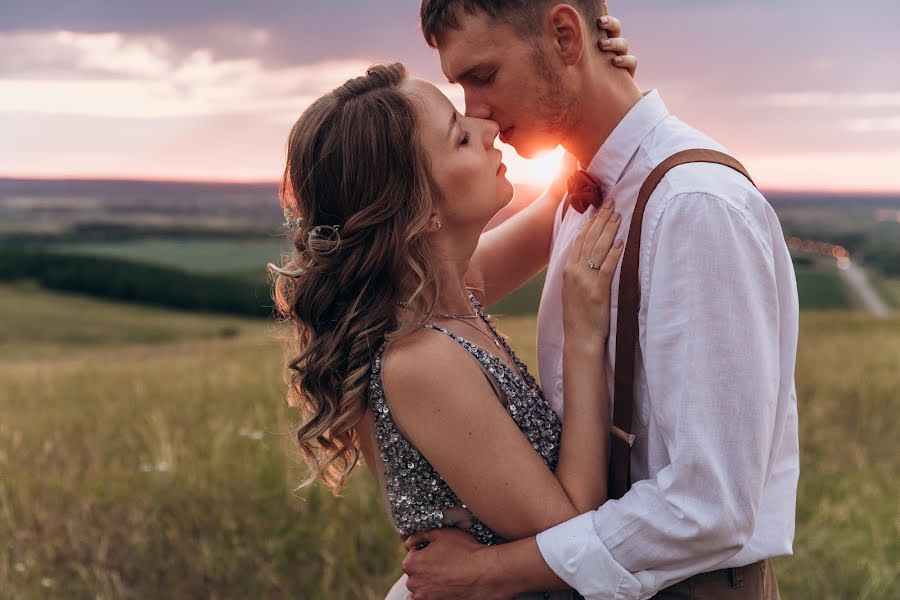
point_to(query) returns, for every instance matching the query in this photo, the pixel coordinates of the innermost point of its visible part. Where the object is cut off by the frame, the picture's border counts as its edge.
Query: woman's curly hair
(354, 159)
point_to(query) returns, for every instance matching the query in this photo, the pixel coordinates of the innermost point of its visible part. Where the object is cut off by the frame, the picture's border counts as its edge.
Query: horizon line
(276, 183)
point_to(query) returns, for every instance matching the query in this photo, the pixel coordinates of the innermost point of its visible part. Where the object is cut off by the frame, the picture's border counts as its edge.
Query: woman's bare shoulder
(418, 353)
(422, 367)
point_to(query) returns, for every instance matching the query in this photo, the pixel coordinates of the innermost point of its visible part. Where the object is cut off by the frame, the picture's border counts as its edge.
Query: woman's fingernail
(619, 60)
(607, 203)
(615, 217)
(606, 43)
(604, 20)
(619, 243)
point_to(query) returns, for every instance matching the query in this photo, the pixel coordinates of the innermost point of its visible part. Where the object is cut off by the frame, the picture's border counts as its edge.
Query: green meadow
(818, 282)
(244, 258)
(147, 453)
(889, 288)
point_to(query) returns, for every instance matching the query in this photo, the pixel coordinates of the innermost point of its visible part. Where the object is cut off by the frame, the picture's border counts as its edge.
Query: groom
(710, 482)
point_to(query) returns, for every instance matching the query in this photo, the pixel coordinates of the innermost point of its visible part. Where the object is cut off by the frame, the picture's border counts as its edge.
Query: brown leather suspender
(627, 322)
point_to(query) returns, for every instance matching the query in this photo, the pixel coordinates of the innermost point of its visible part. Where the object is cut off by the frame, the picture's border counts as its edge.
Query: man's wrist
(516, 568)
(495, 576)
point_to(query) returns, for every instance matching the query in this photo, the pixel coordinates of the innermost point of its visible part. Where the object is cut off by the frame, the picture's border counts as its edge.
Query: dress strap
(489, 321)
(472, 349)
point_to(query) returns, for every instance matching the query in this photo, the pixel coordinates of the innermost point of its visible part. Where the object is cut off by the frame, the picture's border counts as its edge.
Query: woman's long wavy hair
(354, 159)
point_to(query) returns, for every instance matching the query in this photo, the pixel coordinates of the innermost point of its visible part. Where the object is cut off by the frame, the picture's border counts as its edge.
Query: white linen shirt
(716, 460)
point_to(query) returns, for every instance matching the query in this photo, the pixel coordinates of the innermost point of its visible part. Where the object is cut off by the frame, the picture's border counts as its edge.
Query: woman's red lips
(501, 169)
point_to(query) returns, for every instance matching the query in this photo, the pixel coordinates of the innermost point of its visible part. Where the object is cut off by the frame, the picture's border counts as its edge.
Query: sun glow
(540, 170)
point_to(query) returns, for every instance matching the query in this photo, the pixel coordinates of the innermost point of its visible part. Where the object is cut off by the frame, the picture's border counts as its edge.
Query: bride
(387, 192)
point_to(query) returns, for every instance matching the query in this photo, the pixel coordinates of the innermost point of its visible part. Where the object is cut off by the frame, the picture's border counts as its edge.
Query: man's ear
(566, 32)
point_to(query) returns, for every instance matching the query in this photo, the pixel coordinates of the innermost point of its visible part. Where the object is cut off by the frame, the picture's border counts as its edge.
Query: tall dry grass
(150, 467)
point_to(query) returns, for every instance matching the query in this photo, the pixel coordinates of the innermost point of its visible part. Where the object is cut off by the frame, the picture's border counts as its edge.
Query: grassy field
(147, 453)
(819, 285)
(820, 288)
(246, 258)
(49, 324)
(889, 288)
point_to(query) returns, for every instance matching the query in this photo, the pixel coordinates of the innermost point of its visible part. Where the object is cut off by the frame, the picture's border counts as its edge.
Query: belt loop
(736, 577)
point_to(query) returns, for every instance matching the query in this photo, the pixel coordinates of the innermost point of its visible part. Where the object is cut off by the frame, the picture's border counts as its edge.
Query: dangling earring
(439, 225)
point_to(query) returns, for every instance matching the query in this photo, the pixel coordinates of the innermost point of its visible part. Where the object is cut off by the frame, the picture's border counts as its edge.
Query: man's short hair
(525, 16)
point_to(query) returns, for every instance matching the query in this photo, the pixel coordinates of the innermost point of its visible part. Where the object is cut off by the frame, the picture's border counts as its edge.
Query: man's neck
(604, 104)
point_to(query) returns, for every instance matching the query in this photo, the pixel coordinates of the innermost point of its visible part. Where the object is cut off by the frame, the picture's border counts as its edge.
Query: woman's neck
(454, 249)
(452, 297)
(450, 286)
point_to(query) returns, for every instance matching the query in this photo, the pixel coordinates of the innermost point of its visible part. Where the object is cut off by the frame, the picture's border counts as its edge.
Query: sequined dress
(416, 496)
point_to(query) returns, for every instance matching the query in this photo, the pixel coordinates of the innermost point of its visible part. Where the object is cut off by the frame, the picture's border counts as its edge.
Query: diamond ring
(594, 265)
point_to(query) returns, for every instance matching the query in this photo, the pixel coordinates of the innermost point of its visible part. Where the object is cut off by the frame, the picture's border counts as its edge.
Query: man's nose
(491, 131)
(476, 108)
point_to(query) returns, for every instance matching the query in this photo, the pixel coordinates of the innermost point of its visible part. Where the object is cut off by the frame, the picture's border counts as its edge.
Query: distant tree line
(114, 232)
(134, 282)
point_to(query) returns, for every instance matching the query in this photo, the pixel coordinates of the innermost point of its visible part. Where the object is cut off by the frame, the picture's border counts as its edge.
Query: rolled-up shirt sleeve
(710, 349)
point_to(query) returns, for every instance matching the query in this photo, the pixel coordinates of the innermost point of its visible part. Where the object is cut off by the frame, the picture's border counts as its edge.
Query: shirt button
(559, 386)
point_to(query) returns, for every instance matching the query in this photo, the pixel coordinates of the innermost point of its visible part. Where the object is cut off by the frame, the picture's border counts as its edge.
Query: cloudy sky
(806, 93)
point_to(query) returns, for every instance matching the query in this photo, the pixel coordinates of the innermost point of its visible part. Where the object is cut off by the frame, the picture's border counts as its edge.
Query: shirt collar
(614, 155)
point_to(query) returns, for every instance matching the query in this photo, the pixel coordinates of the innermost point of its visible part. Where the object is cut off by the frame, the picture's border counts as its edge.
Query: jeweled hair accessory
(324, 234)
(290, 221)
(317, 235)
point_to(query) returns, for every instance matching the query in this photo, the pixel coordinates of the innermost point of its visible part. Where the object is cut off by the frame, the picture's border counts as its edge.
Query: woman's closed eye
(465, 139)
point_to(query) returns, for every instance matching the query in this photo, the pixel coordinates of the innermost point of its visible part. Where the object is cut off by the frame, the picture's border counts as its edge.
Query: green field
(147, 454)
(223, 257)
(819, 286)
(48, 324)
(889, 288)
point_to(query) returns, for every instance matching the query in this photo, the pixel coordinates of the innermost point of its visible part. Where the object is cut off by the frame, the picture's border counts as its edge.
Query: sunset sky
(806, 94)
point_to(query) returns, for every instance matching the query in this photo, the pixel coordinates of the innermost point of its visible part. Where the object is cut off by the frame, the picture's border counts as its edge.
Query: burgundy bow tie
(584, 191)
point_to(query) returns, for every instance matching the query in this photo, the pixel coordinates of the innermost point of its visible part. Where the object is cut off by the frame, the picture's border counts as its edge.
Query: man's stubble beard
(557, 105)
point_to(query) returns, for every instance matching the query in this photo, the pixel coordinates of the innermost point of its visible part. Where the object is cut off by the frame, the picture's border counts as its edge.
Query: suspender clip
(628, 438)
